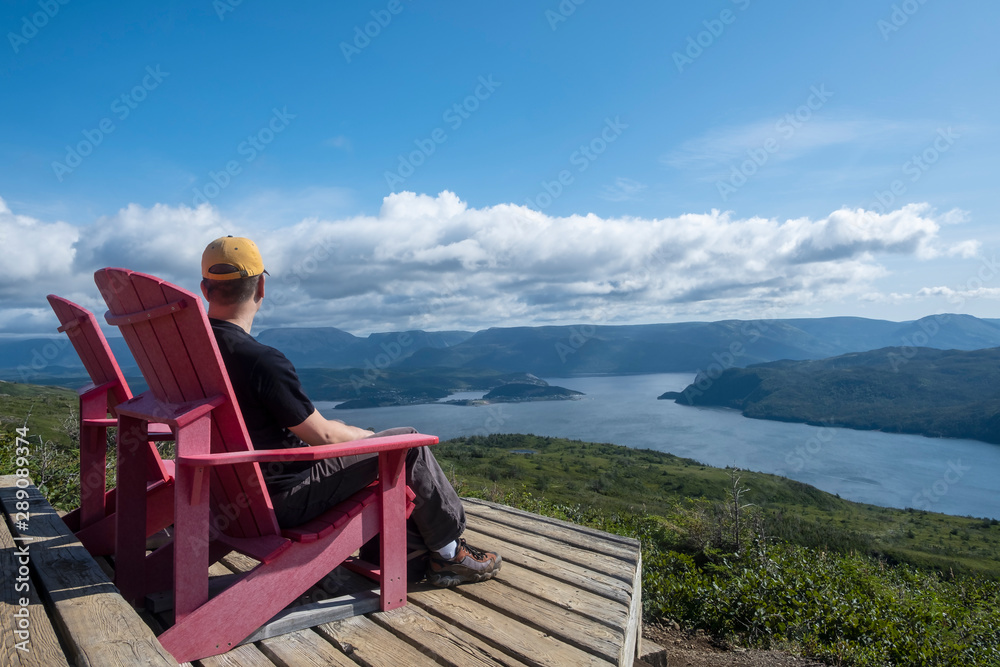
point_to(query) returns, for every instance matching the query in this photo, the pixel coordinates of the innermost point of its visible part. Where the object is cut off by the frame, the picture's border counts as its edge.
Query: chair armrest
(312, 453)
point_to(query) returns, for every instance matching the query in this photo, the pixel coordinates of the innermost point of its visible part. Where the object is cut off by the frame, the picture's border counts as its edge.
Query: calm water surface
(943, 475)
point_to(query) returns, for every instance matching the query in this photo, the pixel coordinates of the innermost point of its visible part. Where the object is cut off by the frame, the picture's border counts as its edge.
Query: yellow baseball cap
(231, 257)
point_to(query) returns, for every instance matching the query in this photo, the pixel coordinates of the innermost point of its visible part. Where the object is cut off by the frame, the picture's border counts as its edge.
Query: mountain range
(562, 351)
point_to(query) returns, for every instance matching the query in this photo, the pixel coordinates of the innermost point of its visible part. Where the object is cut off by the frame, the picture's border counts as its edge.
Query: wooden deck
(566, 595)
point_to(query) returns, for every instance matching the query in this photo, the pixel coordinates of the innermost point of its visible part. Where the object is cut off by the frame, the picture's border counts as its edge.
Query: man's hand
(318, 430)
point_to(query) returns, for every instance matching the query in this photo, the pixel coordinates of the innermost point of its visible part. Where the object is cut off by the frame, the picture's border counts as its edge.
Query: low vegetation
(49, 415)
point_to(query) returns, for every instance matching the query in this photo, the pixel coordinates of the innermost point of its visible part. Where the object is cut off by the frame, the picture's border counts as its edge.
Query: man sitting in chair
(278, 414)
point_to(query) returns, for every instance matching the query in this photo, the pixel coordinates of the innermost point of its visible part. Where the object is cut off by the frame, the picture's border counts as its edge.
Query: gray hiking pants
(438, 516)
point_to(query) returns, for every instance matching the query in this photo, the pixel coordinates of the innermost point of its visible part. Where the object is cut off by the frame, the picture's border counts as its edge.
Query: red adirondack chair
(221, 502)
(94, 522)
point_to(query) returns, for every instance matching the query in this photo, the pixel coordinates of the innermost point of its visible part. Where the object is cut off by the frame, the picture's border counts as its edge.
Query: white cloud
(162, 240)
(959, 295)
(434, 263)
(783, 140)
(34, 249)
(623, 189)
(955, 216)
(965, 249)
(340, 142)
(893, 298)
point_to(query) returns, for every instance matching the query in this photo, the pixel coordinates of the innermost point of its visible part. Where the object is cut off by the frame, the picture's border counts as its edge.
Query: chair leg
(130, 514)
(392, 485)
(93, 459)
(191, 521)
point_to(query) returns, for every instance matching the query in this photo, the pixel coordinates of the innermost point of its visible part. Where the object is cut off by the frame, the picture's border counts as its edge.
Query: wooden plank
(623, 548)
(632, 647)
(39, 645)
(247, 655)
(567, 596)
(452, 645)
(579, 631)
(550, 564)
(304, 648)
(611, 568)
(527, 644)
(372, 645)
(97, 625)
(483, 514)
(238, 562)
(474, 503)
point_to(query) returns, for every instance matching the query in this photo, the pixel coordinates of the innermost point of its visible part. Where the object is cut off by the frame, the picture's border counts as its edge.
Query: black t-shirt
(269, 393)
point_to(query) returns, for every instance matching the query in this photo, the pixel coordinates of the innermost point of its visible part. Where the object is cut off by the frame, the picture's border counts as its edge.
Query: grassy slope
(50, 415)
(41, 409)
(614, 478)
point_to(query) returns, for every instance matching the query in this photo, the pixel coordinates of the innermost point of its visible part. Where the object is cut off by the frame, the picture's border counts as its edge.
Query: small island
(396, 388)
(519, 392)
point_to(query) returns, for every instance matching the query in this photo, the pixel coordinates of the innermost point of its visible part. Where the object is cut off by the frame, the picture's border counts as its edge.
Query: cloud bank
(435, 263)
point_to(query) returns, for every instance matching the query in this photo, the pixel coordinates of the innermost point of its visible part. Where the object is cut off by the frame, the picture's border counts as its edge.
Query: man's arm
(318, 430)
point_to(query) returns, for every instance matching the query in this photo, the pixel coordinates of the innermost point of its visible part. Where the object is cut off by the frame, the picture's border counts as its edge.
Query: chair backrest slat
(92, 347)
(80, 325)
(180, 360)
(141, 339)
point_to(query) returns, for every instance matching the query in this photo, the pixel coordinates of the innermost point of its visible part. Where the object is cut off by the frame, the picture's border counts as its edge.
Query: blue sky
(439, 165)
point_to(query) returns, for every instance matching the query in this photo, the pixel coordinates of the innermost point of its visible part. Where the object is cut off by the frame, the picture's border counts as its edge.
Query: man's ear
(204, 290)
(260, 288)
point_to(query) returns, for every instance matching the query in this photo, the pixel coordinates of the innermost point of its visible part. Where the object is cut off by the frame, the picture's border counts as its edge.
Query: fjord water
(960, 477)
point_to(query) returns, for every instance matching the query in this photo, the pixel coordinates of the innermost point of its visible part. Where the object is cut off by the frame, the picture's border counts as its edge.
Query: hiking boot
(469, 565)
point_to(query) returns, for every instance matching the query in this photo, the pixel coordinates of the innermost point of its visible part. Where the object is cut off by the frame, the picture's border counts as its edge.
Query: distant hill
(691, 346)
(562, 351)
(328, 347)
(949, 393)
(37, 359)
